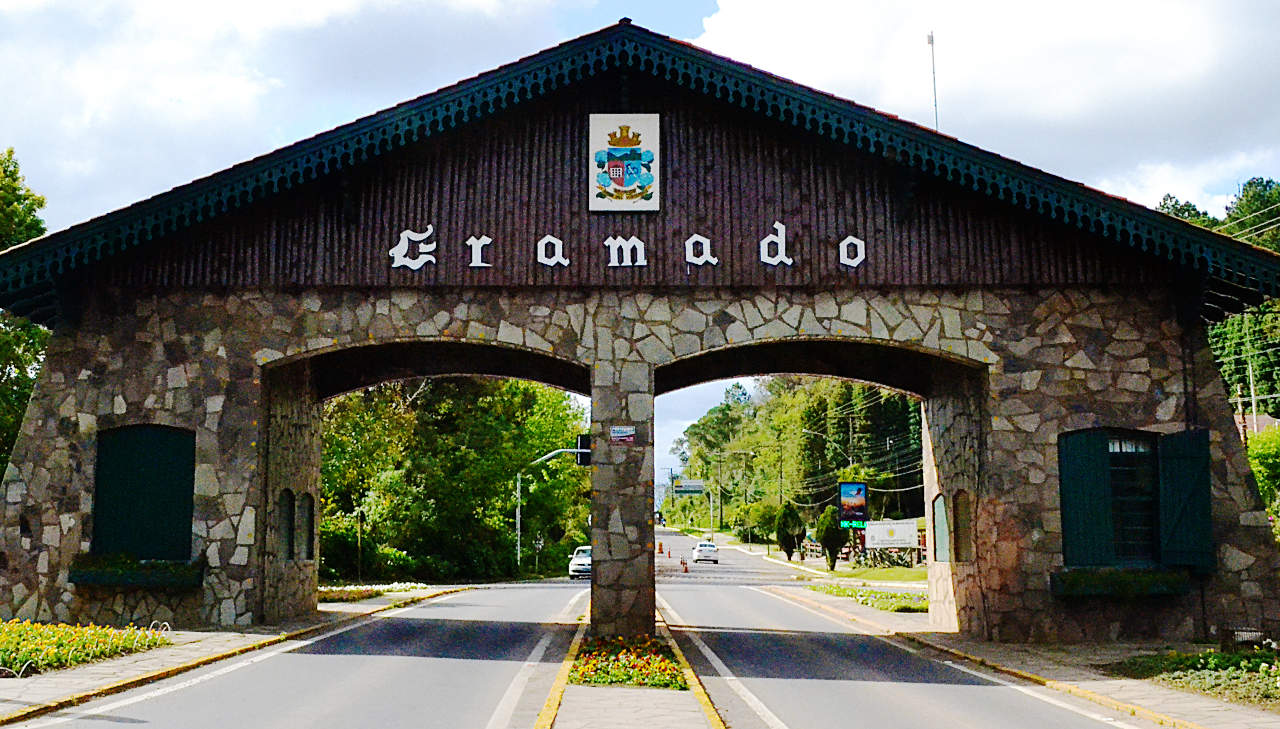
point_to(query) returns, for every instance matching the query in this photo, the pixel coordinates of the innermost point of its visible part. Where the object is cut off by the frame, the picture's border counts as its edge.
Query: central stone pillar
(622, 580)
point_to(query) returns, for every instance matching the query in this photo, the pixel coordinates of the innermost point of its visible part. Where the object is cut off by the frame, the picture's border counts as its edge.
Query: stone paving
(615, 707)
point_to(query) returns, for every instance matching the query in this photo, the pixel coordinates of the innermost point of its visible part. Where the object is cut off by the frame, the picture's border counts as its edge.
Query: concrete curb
(691, 677)
(32, 712)
(551, 708)
(1067, 688)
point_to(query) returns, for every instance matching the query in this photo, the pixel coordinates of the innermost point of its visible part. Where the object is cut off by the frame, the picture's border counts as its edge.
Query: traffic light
(584, 444)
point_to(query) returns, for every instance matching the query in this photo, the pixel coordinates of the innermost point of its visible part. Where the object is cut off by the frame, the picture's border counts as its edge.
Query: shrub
(831, 535)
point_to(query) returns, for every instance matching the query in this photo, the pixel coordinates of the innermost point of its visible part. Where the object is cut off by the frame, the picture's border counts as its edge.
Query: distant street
(780, 664)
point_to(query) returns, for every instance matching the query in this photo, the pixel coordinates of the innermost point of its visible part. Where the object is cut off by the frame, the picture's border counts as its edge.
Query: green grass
(1246, 677)
(886, 574)
(643, 661)
(27, 647)
(893, 602)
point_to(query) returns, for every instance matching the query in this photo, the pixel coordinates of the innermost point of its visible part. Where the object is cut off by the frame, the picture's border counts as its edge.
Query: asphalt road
(486, 658)
(457, 661)
(770, 662)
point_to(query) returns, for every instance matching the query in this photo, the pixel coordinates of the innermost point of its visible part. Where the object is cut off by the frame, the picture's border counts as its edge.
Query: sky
(113, 101)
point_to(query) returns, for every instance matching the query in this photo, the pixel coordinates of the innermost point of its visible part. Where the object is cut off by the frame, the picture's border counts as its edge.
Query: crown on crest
(624, 137)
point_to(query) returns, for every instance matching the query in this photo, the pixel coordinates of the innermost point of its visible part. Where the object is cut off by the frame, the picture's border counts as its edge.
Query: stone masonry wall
(1054, 360)
(292, 453)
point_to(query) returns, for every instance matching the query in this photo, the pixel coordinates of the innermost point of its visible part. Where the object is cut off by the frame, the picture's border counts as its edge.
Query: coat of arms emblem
(624, 172)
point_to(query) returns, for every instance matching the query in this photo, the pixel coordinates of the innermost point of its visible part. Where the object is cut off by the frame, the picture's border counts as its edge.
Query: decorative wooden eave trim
(29, 272)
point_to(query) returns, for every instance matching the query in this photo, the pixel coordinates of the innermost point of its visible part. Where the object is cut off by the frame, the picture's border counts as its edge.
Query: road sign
(687, 486)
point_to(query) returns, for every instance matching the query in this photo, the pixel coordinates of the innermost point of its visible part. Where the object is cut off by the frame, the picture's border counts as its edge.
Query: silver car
(580, 563)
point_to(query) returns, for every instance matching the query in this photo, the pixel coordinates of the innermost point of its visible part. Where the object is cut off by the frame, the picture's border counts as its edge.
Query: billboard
(853, 504)
(893, 533)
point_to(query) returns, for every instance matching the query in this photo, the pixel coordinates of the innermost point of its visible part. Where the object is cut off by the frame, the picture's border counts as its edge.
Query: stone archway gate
(623, 215)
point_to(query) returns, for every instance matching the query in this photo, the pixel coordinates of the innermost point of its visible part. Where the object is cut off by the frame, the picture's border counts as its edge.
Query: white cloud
(1135, 94)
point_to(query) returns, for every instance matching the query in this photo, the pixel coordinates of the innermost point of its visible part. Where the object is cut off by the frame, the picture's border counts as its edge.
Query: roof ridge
(30, 270)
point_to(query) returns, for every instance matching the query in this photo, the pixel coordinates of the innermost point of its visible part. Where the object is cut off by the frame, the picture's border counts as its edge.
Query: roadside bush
(788, 527)
(831, 535)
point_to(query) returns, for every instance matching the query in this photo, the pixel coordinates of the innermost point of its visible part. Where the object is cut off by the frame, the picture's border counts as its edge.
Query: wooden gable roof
(36, 278)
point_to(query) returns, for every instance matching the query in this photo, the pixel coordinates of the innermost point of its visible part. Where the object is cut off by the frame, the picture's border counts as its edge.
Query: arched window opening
(941, 531)
(962, 513)
(306, 526)
(284, 520)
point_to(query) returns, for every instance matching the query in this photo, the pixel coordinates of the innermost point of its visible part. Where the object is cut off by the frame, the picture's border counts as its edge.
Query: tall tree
(21, 342)
(19, 205)
(1254, 215)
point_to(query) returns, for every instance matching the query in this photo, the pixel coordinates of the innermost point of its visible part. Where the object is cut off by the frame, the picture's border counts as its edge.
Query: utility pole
(519, 499)
(933, 65)
(1253, 395)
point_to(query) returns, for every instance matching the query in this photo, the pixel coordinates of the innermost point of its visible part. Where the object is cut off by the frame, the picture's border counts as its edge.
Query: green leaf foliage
(430, 467)
(792, 441)
(831, 535)
(22, 343)
(789, 529)
(1264, 459)
(19, 206)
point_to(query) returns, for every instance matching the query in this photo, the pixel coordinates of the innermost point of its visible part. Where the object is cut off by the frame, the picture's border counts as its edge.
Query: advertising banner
(894, 533)
(853, 505)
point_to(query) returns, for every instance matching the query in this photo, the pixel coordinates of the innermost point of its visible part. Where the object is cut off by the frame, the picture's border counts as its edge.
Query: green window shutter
(1084, 486)
(1186, 534)
(144, 492)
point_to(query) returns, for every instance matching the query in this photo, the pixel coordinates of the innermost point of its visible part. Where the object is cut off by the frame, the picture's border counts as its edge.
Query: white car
(580, 563)
(705, 551)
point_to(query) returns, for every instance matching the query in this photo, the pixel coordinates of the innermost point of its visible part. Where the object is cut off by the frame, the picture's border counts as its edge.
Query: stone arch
(950, 389)
(294, 388)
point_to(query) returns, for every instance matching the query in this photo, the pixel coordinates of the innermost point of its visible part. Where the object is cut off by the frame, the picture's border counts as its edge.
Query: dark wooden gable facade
(727, 175)
(503, 155)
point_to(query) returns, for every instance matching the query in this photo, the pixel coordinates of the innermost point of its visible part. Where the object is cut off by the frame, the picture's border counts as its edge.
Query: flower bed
(894, 602)
(348, 594)
(1247, 677)
(643, 661)
(27, 647)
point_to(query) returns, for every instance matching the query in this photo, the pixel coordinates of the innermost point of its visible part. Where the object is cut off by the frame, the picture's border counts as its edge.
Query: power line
(1246, 217)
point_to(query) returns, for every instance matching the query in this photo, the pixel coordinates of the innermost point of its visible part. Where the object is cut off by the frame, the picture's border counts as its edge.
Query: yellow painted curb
(691, 678)
(1066, 688)
(132, 683)
(547, 716)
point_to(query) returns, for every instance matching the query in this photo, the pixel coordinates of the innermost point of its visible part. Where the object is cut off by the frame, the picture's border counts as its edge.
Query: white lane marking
(1047, 699)
(501, 717)
(768, 717)
(1023, 689)
(257, 658)
(846, 623)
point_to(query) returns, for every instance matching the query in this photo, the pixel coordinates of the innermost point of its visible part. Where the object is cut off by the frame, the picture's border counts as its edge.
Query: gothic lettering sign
(622, 172)
(414, 249)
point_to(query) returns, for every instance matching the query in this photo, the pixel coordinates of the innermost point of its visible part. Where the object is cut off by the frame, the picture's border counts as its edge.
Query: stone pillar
(622, 581)
(293, 455)
(952, 439)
